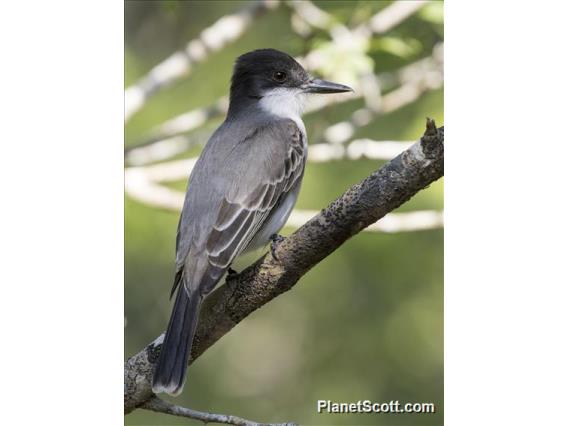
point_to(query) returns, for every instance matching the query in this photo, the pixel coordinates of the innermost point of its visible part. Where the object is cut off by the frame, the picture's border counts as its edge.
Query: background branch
(404, 86)
(393, 15)
(360, 206)
(160, 406)
(177, 66)
(145, 184)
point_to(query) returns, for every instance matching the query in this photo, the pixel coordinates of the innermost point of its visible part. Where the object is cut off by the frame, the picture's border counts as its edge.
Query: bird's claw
(275, 239)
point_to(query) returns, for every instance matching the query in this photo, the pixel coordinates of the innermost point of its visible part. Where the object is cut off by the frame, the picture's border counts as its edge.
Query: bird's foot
(275, 239)
(231, 278)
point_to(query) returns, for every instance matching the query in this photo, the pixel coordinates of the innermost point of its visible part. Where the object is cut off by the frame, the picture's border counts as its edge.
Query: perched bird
(240, 192)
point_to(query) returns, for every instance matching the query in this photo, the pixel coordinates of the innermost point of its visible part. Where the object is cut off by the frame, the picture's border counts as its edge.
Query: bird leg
(275, 239)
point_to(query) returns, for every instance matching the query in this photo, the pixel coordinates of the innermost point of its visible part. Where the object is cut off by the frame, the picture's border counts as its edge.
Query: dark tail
(169, 375)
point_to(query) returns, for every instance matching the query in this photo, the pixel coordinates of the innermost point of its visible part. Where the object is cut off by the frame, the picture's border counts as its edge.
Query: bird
(240, 192)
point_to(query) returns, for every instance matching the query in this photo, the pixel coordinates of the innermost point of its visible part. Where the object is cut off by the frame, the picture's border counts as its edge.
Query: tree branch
(360, 206)
(160, 406)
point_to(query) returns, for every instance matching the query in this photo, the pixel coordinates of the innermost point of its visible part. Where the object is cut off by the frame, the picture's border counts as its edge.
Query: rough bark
(361, 205)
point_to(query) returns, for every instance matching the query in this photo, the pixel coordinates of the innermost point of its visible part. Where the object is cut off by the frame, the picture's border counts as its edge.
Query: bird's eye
(279, 76)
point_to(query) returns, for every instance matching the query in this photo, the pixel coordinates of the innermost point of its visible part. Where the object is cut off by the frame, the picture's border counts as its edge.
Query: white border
(505, 205)
(61, 302)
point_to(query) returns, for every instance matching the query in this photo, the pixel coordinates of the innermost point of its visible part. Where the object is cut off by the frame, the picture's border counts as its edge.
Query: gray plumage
(241, 191)
(244, 172)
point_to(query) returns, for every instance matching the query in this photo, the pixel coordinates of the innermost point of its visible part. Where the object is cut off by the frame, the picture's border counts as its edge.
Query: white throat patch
(285, 103)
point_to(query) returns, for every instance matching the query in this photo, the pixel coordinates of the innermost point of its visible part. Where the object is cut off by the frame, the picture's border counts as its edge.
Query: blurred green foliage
(367, 322)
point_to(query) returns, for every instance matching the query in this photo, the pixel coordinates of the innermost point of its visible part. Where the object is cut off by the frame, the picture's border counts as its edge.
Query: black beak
(321, 86)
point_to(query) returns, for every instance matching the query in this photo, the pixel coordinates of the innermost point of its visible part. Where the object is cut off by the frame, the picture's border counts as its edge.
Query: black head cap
(259, 71)
(265, 69)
